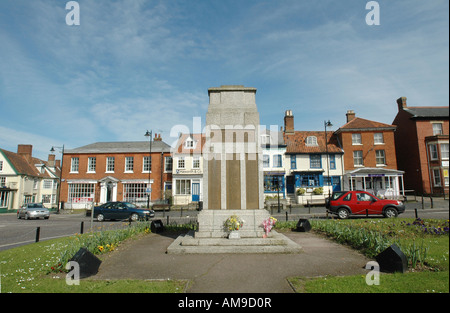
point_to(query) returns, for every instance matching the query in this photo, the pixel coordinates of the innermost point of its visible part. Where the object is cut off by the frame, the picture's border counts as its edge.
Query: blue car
(121, 211)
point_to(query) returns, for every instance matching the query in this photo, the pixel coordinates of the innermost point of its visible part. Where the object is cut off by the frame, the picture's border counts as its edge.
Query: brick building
(370, 157)
(423, 147)
(116, 171)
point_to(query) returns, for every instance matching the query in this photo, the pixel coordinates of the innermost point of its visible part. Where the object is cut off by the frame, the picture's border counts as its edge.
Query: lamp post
(149, 188)
(328, 124)
(52, 150)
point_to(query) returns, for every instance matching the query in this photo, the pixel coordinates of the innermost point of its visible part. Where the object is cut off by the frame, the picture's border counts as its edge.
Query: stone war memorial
(232, 180)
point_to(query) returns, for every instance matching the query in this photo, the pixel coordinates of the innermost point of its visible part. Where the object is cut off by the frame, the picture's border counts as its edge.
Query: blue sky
(133, 65)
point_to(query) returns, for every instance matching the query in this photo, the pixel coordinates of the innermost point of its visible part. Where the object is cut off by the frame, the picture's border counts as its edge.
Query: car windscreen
(35, 206)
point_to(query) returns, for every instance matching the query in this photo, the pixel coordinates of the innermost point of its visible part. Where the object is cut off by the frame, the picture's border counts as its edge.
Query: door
(365, 201)
(290, 184)
(195, 192)
(336, 182)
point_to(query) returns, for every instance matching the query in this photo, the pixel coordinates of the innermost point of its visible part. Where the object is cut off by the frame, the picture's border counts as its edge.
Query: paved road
(14, 232)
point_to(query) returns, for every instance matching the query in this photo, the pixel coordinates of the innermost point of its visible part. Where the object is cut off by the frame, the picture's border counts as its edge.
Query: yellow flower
(100, 248)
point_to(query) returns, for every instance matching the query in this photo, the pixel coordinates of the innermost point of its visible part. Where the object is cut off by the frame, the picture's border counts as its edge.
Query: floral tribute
(268, 224)
(233, 223)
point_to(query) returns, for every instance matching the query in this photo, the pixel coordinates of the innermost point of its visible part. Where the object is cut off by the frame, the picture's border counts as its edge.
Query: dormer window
(189, 143)
(311, 141)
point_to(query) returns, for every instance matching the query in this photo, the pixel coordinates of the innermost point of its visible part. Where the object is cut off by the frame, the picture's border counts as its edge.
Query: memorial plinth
(232, 177)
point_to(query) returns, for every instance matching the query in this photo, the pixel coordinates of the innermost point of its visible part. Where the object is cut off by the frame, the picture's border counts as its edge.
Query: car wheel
(18, 216)
(100, 218)
(390, 212)
(343, 213)
(134, 217)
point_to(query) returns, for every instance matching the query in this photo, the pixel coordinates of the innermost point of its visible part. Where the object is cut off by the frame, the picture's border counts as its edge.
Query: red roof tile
(296, 142)
(361, 123)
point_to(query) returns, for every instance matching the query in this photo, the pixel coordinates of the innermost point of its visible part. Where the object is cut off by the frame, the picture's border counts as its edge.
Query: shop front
(384, 183)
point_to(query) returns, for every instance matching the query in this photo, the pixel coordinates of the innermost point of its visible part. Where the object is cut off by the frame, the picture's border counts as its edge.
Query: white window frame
(168, 164)
(437, 130)
(181, 163)
(81, 192)
(74, 165)
(47, 184)
(146, 165)
(196, 162)
(135, 193)
(92, 164)
(378, 138)
(129, 164)
(444, 151)
(311, 141)
(434, 152)
(356, 139)
(183, 186)
(110, 164)
(358, 157)
(437, 177)
(380, 157)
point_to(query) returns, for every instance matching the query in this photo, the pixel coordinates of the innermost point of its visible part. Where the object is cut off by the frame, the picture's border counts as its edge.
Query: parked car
(33, 210)
(121, 211)
(346, 203)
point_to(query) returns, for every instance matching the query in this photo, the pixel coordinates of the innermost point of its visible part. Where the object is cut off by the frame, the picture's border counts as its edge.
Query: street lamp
(328, 124)
(149, 188)
(52, 150)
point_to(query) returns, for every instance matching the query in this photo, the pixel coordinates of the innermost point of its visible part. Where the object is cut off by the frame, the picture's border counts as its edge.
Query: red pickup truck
(346, 203)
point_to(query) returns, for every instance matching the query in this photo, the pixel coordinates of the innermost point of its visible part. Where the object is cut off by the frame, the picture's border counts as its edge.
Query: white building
(187, 170)
(314, 161)
(25, 179)
(274, 163)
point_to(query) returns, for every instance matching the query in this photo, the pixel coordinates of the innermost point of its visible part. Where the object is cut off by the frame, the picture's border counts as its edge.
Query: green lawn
(39, 267)
(424, 242)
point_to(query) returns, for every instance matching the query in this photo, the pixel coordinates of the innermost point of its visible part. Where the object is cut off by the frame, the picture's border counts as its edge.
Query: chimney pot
(401, 102)
(289, 122)
(350, 115)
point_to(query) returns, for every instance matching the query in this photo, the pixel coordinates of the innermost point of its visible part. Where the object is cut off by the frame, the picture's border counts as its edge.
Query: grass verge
(40, 267)
(424, 242)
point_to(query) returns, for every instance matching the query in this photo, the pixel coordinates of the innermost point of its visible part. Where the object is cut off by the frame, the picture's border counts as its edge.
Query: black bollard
(38, 233)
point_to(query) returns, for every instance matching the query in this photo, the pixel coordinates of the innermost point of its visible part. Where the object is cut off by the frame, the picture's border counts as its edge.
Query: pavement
(146, 259)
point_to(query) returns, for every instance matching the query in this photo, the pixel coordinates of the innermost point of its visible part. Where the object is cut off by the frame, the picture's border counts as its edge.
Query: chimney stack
(26, 152)
(289, 122)
(51, 160)
(401, 102)
(350, 115)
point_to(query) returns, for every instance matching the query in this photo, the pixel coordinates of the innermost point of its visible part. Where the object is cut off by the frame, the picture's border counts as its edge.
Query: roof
(296, 142)
(181, 148)
(366, 171)
(121, 147)
(359, 124)
(427, 112)
(22, 166)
